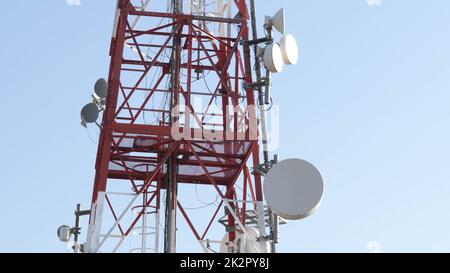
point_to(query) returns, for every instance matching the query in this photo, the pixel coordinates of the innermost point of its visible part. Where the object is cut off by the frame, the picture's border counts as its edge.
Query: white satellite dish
(89, 113)
(101, 88)
(293, 189)
(277, 21)
(289, 49)
(248, 242)
(64, 233)
(273, 58)
(224, 245)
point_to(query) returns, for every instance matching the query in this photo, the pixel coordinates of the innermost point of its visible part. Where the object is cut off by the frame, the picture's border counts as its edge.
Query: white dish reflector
(293, 189)
(273, 58)
(249, 242)
(289, 49)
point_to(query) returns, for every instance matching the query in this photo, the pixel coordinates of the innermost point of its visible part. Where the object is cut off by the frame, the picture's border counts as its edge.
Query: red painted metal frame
(223, 163)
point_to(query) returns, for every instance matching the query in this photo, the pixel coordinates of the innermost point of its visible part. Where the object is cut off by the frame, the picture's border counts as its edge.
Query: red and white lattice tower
(173, 64)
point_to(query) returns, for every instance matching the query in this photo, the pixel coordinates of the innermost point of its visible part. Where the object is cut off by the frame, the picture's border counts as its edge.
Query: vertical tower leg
(104, 149)
(172, 187)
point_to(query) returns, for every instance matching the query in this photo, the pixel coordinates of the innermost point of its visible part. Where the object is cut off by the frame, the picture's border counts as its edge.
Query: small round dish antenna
(273, 58)
(293, 189)
(289, 49)
(64, 233)
(89, 113)
(101, 88)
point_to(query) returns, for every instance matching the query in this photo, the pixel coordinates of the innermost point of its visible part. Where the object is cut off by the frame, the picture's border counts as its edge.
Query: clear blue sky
(369, 104)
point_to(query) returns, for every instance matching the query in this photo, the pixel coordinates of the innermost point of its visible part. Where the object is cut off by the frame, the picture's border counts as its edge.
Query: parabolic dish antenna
(249, 242)
(273, 58)
(289, 49)
(101, 88)
(89, 113)
(64, 233)
(293, 189)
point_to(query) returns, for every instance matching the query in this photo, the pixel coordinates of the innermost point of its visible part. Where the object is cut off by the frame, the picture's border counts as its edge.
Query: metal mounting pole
(171, 192)
(261, 101)
(77, 229)
(259, 79)
(267, 93)
(274, 221)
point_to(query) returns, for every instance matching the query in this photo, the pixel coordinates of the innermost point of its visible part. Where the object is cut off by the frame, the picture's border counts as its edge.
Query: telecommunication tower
(185, 104)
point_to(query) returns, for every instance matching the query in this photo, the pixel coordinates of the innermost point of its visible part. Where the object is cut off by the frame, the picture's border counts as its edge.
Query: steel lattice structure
(154, 136)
